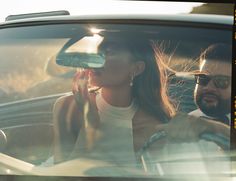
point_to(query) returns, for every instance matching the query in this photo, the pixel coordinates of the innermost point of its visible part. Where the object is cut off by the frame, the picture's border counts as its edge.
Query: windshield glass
(102, 96)
(35, 48)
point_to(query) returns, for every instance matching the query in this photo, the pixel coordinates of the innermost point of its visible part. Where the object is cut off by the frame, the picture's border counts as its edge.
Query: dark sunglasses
(220, 81)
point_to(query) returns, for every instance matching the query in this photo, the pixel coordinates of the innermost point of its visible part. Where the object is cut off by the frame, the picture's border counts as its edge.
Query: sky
(76, 7)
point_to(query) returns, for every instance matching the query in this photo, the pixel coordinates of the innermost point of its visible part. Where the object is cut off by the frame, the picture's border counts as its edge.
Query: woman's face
(118, 67)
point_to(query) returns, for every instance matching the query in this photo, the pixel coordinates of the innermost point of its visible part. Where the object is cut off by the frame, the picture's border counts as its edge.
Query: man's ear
(139, 67)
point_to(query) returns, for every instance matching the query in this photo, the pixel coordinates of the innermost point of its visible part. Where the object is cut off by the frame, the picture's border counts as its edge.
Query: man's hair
(217, 52)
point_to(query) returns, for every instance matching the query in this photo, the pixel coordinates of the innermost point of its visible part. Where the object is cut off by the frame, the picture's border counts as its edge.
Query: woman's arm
(66, 127)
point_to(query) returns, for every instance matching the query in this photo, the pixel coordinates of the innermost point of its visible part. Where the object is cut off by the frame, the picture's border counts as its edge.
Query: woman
(114, 122)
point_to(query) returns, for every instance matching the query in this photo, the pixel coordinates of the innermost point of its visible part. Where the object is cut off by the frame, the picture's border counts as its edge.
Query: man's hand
(186, 128)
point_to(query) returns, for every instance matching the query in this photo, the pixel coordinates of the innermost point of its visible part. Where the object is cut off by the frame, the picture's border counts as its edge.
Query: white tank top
(115, 141)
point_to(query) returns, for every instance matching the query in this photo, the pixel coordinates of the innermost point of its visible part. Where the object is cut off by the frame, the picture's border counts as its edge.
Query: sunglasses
(220, 81)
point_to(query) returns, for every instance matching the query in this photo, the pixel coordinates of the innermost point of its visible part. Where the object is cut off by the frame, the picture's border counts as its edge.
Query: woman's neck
(120, 97)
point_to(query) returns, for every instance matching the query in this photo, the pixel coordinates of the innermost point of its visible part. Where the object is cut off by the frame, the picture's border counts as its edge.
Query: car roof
(191, 18)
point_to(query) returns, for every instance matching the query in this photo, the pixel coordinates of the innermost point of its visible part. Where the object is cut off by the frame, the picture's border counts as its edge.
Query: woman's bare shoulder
(64, 107)
(64, 98)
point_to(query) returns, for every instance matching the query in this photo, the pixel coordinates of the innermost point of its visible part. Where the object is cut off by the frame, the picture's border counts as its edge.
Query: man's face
(211, 99)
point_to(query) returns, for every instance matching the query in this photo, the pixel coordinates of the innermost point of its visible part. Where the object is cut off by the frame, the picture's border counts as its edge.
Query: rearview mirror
(83, 60)
(82, 52)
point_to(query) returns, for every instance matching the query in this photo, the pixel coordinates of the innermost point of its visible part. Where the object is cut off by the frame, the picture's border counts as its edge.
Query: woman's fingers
(80, 81)
(80, 87)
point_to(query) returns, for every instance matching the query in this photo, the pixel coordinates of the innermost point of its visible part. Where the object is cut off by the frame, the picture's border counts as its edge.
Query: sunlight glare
(87, 44)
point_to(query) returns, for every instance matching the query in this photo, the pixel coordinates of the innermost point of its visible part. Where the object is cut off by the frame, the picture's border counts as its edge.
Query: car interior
(26, 113)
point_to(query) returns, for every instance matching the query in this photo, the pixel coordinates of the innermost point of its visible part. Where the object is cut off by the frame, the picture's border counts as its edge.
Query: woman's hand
(80, 88)
(87, 106)
(186, 128)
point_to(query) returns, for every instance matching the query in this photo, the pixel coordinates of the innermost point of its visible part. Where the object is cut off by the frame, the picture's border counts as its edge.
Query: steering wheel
(143, 155)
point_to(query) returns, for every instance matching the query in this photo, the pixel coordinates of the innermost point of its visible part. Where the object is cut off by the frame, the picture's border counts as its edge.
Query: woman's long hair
(150, 87)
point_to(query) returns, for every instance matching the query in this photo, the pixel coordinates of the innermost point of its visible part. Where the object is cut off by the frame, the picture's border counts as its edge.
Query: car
(31, 80)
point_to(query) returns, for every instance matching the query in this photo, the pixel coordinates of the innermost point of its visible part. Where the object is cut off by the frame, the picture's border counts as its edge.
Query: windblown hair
(149, 88)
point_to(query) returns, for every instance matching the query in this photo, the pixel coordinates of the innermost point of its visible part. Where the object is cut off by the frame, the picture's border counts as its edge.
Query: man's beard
(222, 106)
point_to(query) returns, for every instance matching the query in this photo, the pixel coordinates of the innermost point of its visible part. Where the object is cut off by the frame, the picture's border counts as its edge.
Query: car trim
(218, 19)
(13, 103)
(195, 20)
(126, 21)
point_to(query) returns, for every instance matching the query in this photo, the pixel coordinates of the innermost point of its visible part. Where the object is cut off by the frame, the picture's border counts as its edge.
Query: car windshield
(28, 56)
(65, 98)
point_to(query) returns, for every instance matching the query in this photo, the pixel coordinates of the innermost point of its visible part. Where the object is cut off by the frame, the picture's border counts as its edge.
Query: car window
(37, 69)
